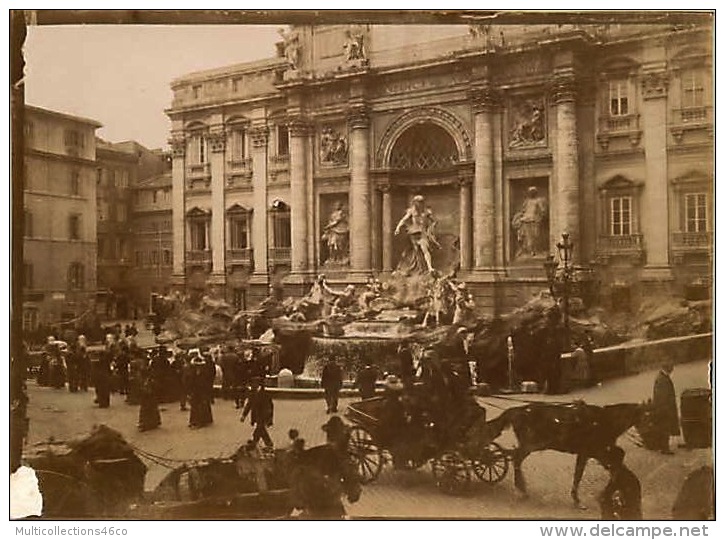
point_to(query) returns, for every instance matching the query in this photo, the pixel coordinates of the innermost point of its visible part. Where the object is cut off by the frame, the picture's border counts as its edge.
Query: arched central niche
(424, 146)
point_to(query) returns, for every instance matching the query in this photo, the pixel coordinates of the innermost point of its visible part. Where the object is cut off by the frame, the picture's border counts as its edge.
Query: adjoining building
(59, 195)
(153, 246)
(512, 134)
(120, 168)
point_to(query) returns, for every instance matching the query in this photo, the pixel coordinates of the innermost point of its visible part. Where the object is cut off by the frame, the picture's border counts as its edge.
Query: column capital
(484, 98)
(564, 88)
(465, 179)
(259, 135)
(654, 85)
(383, 187)
(217, 139)
(178, 145)
(299, 127)
(358, 117)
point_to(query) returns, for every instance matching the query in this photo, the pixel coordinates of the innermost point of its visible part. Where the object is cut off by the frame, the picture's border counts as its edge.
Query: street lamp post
(565, 248)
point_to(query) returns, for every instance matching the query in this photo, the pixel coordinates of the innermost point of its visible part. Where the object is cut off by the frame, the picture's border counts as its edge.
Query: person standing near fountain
(365, 381)
(332, 383)
(419, 223)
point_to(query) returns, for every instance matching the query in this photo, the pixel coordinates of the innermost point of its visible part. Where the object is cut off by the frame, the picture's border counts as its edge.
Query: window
(30, 319)
(621, 220)
(282, 141)
(28, 275)
(29, 132)
(28, 224)
(618, 98)
(123, 180)
(75, 276)
(99, 177)
(121, 214)
(75, 183)
(196, 89)
(74, 227)
(73, 139)
(240, 299)
(239, 231)
(281, 228)
(696, 212)
(102, 211)
(122, 249)
(238, 142)
(154, 196)
(693, 88)
(167, 257)
(197, 149)
(155, 257)
(197, 229)
(424, 146)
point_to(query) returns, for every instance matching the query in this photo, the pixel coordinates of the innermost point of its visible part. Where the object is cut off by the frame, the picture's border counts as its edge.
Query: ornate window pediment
(198, 213)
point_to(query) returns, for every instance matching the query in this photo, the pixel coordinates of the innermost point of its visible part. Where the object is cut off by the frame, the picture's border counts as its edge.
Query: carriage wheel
(365, 454)
(451, 473)
(493, 464)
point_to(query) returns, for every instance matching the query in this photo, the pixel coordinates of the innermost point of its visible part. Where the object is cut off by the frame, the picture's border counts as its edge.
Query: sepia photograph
(362, 265)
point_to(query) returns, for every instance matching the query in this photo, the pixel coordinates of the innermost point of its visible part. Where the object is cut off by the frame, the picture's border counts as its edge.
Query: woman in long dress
(149, 416)
(200, 414)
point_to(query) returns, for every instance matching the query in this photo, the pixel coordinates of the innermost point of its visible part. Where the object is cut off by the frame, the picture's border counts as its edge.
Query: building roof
(65, 116)
(158, 181)
(223, 71)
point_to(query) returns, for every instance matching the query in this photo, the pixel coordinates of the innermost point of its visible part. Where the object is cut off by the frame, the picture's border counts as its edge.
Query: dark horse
(318, 478)
(577, 428)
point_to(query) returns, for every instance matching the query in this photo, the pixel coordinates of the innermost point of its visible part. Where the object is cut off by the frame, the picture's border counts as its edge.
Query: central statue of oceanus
(419, 224)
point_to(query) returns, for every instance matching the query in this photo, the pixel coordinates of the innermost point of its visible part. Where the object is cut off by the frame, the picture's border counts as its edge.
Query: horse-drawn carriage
(462, 445)
(440, 446)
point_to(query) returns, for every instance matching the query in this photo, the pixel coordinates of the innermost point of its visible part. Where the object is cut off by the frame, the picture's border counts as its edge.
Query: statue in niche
(291, 47)
(529, 224)
(336, 235)
(333, 147)
(419, 223)
(529, 128)
(355, 44)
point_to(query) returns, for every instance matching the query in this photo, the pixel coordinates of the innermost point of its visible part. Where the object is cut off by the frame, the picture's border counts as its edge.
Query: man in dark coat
(261, 406)
(228, 363)
(332, 383)
(407, 366)
(622, 497)
(664, 402)
(102, 377)
(365, 381)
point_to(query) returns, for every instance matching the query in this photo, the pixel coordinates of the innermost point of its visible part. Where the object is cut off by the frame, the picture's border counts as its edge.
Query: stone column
(464, 208)
(483, 188)
(360, 246)
(259, 137)
(654, 203)
(298, 130)
(178, 210)
(387, 228)
(566, 159)
(217, 144)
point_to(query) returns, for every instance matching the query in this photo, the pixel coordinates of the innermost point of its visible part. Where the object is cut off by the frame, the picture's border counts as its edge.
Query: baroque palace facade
(513, 134)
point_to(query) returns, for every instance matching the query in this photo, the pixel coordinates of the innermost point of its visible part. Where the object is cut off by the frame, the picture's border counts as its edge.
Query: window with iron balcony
(620, 235)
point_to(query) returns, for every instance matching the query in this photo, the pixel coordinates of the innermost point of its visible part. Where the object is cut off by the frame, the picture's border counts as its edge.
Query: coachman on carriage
(422, 423)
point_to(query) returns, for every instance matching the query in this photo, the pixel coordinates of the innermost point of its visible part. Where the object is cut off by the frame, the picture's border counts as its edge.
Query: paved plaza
(408, 494)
